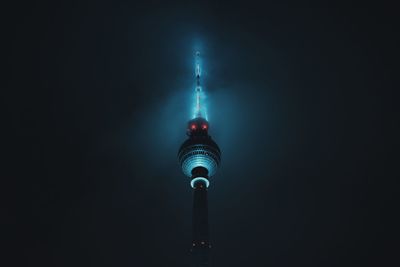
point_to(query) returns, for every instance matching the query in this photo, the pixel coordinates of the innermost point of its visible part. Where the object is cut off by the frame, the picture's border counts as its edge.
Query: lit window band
(192, 183)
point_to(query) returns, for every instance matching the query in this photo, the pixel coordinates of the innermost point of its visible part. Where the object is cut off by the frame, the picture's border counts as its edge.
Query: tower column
(201, 245)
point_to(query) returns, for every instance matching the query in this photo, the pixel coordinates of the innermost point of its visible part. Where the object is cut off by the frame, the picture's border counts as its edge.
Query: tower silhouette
(199, 157)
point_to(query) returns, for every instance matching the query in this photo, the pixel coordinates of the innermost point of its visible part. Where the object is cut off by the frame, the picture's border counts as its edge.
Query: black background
(302, 101)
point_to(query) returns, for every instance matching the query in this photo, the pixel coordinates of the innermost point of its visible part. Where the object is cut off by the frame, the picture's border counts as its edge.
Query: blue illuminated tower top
(199, 157)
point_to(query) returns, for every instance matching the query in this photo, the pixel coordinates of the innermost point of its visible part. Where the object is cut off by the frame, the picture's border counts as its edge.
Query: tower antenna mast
(198, 86)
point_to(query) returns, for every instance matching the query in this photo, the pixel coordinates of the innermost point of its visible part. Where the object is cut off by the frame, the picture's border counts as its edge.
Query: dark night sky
(302, 102)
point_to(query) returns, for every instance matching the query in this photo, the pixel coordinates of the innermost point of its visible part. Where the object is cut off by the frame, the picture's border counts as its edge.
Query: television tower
(199, 157)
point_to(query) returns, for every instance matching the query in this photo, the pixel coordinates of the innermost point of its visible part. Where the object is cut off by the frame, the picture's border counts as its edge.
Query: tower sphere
(199, 151)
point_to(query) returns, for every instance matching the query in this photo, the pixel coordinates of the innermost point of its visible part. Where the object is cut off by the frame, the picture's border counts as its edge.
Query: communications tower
(199, 157)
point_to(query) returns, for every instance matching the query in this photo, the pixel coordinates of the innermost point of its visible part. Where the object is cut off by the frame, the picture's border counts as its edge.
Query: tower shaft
(201, 245)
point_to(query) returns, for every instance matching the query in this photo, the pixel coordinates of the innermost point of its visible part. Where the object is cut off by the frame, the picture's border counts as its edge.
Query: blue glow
(198, 71)
(199, 109)
(192, 183)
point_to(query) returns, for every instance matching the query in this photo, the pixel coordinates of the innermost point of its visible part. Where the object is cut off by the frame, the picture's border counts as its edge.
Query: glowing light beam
(199, 107)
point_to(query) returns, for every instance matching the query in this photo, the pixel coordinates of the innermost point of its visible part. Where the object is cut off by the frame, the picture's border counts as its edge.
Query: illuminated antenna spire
(198, 86)
(198, 70)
